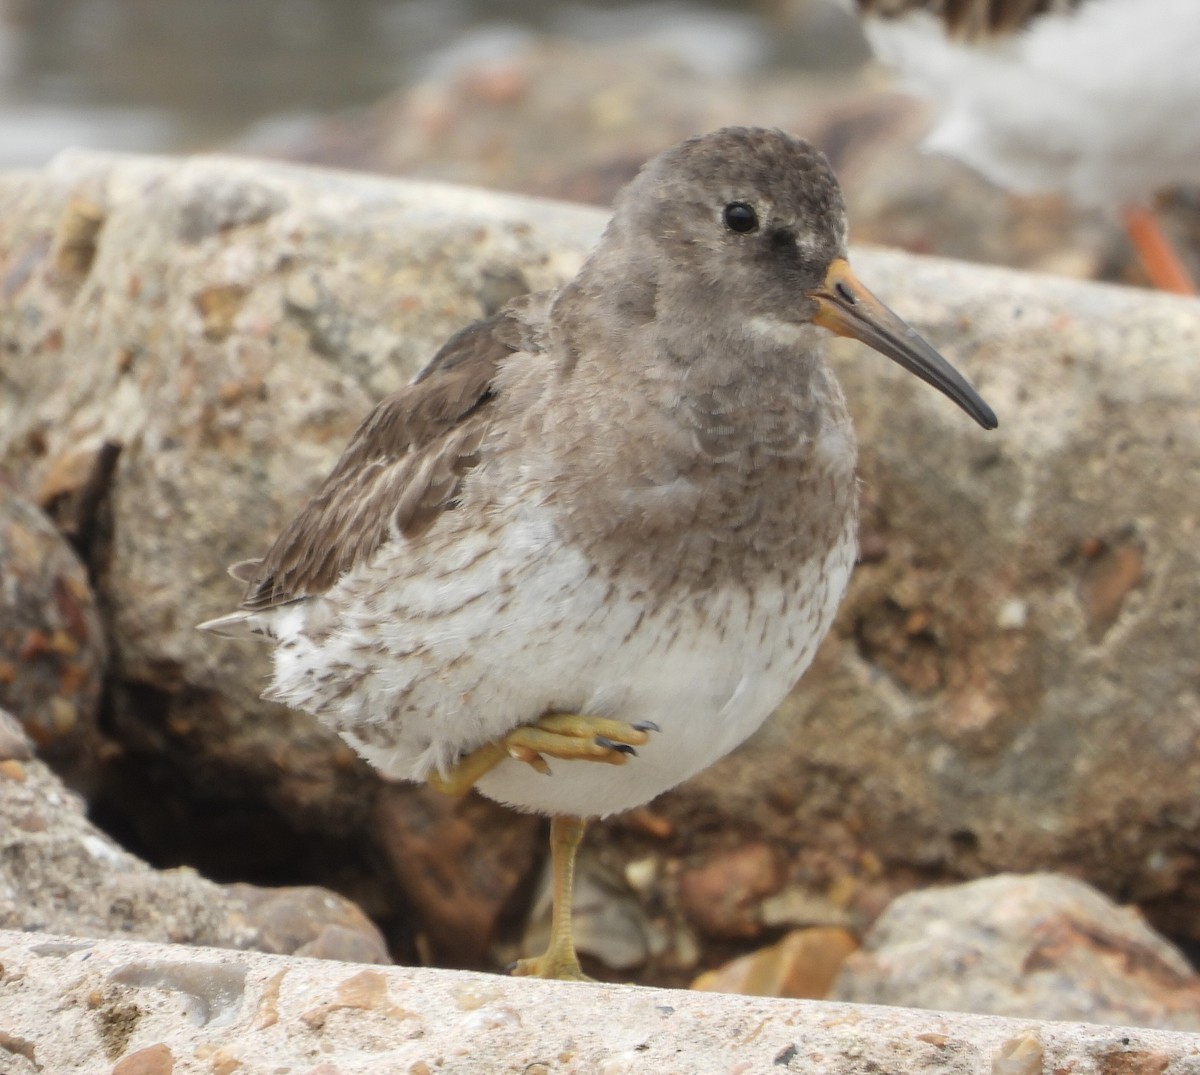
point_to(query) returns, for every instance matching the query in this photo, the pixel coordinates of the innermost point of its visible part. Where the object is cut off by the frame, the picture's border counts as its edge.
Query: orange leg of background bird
(1162, 264)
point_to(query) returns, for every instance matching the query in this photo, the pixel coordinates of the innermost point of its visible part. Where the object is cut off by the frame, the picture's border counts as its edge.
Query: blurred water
(173, 75)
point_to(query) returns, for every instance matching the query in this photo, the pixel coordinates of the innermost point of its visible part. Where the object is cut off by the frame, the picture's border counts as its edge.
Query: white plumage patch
(1098, 103)
(418, 672)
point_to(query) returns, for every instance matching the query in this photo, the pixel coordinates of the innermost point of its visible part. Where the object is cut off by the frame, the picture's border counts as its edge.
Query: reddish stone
(459, 862)
(721, 896)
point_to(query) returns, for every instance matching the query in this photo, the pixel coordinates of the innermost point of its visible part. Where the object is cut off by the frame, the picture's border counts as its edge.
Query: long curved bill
(847, 308)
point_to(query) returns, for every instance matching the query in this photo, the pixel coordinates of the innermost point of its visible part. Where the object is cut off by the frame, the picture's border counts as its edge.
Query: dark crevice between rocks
(152, 798)
(149, 807)
(81, 508)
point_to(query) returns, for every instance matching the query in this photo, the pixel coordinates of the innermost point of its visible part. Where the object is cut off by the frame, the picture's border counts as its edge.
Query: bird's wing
(970, 20)
(401, 470)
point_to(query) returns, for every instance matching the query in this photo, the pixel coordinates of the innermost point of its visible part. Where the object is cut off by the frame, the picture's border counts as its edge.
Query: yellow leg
(462, 778)
(560, 959)
(570, 736)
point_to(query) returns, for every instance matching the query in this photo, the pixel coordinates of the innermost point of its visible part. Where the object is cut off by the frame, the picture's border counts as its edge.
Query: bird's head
(745, 231)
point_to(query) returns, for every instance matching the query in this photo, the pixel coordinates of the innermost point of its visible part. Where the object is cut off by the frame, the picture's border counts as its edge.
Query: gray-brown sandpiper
(607, 526)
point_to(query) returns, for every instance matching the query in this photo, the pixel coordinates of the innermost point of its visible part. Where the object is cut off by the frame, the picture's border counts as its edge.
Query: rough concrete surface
(124, 1007)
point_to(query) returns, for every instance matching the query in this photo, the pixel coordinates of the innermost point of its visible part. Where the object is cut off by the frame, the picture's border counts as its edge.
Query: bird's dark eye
(740, 217)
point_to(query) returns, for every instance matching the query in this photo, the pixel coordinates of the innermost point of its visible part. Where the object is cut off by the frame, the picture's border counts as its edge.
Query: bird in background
(598, 539)
(1094, 99)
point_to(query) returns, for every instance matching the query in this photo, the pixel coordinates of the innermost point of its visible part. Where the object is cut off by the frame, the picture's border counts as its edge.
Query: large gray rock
(225, 326)
(1011, 684)
(52, 645)
(1037, 946)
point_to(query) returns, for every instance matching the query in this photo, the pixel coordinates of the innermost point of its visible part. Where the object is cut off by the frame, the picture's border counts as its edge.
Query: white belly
(706, 692)
(427, 670)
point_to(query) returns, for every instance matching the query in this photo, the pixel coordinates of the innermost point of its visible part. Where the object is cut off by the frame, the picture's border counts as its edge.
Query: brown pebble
(224, 1063)
(75, 239)
(31, 821)
(1133, 1062)
(11, 769)
(366, 991)
(1021, 1055)
(17, 1046)
(646, 821)
(268, 1004)
(499, 86)
(1106, 581)
(232, 392)
(219, 306)
(152, 1060)
(802, 966)
(36, 644)
(917, 622)
(722, 895)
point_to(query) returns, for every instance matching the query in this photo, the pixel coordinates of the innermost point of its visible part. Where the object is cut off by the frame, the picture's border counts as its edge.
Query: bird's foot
(577, 737)
(561, 966)
(570, 736)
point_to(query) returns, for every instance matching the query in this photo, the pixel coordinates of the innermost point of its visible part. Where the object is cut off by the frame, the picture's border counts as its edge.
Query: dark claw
(608, 744)
(645, 726)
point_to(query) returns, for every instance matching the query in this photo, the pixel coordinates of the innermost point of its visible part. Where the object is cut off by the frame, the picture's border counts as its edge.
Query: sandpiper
(1091, 98)
(607, 526)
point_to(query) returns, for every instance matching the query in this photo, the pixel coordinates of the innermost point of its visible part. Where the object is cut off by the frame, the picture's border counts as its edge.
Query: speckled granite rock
(60, 874)
(197, 315)
(52, 645)
(1038, 946)
(121, 1007)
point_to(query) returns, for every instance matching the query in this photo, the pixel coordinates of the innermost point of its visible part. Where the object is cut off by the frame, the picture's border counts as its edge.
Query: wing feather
(402, 469)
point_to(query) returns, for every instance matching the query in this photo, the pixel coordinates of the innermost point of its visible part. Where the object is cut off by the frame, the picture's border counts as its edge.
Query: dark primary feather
(971, 19)
(402, 468)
